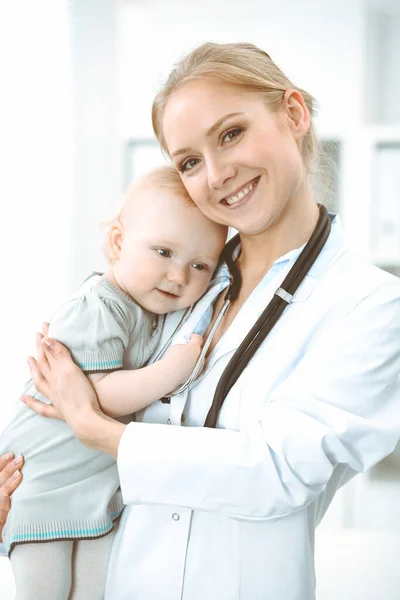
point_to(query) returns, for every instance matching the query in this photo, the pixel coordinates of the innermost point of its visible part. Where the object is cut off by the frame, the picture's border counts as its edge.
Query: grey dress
(67, 490)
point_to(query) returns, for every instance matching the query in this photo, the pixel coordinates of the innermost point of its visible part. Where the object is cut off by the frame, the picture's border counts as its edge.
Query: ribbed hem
(62, 530)
(91, 361)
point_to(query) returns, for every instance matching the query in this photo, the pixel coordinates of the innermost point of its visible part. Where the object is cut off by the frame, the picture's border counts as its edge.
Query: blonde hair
(242, 65)
(165, 177)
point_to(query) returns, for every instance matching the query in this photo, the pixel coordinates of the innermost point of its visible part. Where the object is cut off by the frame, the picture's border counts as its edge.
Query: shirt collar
(335, 240)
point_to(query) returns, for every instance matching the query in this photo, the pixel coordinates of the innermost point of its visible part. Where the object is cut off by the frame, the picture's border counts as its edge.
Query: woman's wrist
(98, 431)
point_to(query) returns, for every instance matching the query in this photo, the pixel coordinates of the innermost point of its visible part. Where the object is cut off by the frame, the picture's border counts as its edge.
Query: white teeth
(233, 199)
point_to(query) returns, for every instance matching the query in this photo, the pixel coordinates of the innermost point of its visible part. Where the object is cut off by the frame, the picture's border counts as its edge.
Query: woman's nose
(219, 173)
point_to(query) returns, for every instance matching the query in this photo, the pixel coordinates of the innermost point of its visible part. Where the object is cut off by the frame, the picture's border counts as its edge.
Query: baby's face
(169, 251)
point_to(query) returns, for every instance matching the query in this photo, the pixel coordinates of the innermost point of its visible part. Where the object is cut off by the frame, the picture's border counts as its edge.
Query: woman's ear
(115, 238)
(297, 113)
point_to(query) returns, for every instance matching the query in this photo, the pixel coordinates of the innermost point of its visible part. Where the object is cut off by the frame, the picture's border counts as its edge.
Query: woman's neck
(290, 230)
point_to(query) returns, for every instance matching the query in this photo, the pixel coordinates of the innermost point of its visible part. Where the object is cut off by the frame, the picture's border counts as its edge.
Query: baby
(163, 252)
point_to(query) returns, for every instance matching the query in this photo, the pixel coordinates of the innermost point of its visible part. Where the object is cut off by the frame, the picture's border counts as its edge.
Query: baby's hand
(182, 358)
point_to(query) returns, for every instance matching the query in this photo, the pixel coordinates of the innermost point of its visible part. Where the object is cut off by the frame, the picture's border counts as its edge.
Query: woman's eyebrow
(209, 131)
(220, 121)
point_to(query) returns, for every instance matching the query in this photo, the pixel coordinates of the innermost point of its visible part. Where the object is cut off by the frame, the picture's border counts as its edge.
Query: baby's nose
(178, 274)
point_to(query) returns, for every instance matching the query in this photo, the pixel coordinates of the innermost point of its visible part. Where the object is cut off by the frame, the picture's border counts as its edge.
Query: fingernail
(7, 457)
(17, 459)
(16, 474)
(49, 344)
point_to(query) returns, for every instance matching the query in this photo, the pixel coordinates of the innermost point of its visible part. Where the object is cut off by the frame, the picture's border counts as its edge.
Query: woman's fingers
(41, 360)
(41, 384)
(10, 478)
(45, 410)
(45, 329)
(56, 351)
(8, 466)
(5, 505)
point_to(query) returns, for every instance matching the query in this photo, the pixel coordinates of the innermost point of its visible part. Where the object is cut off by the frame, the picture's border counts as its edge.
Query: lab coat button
(175, 517)
(169, 422)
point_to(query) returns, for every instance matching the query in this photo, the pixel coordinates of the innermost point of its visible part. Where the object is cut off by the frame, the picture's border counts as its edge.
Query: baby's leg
(89, 568)
(42, 571)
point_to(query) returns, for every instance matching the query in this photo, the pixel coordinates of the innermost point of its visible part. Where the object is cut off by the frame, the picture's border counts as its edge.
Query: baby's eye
(231, 135)
(164, 252)
(199, 266)
(188, 165)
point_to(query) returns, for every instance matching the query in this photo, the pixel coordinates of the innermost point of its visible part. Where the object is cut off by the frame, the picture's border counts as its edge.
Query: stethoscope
(264, 324)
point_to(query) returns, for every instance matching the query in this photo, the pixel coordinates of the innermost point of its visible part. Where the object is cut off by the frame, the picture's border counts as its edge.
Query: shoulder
(97, 300)
(354, 278)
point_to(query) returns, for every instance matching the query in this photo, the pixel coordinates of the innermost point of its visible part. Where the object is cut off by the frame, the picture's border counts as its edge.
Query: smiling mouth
(242, 195)
(167, 294)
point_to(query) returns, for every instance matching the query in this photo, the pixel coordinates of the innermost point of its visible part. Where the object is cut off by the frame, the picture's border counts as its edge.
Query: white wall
(97, 153)
(36, 183)
(318, 43)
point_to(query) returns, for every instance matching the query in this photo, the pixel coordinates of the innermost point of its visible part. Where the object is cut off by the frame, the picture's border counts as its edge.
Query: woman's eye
(199, 266)
(164, 252)
(188, 165)
(231, 135)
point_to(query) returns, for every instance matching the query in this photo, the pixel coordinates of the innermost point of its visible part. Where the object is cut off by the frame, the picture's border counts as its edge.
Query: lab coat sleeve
(340, 406)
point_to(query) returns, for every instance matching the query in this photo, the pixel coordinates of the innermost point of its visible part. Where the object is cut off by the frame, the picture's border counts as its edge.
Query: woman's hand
(10, 478)
(59, 379)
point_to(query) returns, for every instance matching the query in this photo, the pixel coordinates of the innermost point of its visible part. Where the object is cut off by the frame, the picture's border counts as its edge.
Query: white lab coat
(230, 513)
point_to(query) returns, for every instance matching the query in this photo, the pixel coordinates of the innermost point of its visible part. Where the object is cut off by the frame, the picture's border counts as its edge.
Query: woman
(230, 513)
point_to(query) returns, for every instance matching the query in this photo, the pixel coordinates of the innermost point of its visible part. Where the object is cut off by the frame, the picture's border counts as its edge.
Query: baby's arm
(127, 391)
(97, 327)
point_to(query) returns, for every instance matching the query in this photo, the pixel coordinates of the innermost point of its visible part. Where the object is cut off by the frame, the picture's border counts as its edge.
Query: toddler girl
(163, 253)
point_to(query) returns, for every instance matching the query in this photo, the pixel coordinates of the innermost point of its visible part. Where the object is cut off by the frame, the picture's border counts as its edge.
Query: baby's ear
(115, 237)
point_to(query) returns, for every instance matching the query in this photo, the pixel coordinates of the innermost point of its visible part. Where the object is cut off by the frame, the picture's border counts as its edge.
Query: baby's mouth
(167, 294)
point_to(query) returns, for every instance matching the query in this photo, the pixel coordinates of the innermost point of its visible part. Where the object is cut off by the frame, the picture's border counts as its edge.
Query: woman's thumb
(54, 348)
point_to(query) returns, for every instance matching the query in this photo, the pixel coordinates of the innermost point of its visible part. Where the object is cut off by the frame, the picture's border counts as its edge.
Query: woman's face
(239, 161)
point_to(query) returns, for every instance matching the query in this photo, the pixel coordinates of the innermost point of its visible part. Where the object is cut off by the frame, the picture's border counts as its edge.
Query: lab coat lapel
(253, 308)
(264, 292)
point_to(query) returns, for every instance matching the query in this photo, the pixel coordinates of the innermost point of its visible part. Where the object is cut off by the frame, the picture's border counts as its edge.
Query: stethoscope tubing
(264, 323)
(270, 315)
(199, 364)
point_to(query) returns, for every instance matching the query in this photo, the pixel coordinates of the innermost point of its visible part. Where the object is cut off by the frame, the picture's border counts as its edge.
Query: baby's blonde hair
(165, 177)
(243, 65)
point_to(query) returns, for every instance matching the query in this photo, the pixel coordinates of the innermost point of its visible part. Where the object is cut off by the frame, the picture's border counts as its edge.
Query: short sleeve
(95, 329)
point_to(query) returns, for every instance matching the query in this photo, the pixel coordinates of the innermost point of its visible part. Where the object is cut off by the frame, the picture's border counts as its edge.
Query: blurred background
(78, 78)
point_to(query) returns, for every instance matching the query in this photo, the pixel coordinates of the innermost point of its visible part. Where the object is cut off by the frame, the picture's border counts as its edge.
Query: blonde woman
(229, 512)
